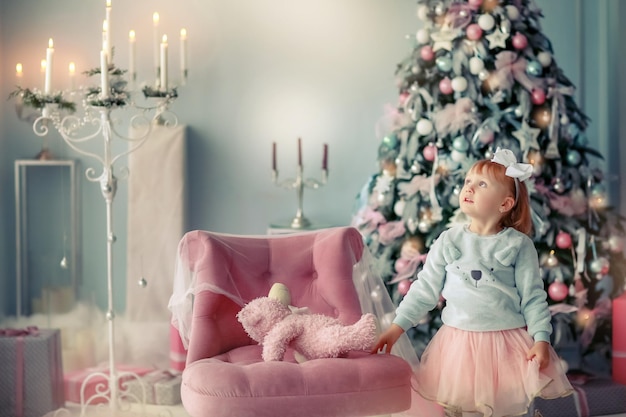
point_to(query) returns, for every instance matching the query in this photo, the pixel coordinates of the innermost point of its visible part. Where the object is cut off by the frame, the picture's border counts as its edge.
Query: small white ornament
(459, 84)
(486, 22)
(476, 65)
(424, 127)
(512, 12)
(422, 12)
(544, 58)
(483, 75)
(423, 36)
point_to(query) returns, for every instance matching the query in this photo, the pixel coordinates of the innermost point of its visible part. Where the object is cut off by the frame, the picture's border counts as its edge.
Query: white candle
(105, 36)
(49, 55)
(109, 31)
(164, 63)
(104, 74)
(155, 25)
(183, 54)
(131, 56)
(72, 70)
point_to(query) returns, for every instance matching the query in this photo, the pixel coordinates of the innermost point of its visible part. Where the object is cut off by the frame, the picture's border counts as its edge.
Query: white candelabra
(97, 121)
(299, 184)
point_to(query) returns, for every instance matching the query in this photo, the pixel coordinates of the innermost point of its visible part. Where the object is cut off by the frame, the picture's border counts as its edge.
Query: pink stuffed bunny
(272, 324)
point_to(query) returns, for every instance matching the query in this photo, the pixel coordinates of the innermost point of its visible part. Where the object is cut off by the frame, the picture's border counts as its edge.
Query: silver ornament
(142, 282)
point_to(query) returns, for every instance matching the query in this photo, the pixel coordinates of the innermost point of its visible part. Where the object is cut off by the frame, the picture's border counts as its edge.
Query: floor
(74, 410)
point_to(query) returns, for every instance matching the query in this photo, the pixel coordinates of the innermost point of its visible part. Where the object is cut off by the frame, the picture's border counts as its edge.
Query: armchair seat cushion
(242, 383)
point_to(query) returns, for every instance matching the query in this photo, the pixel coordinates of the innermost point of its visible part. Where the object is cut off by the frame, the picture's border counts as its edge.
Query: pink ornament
(475, 4)
(519, 41)
(427, 53)
(403, 97)
(563, 240)
(486, 136)
(429, 152)
(538, 96)
(474, 32)
(403, 286)
(401, 264)
(558, 291)
(445, 86)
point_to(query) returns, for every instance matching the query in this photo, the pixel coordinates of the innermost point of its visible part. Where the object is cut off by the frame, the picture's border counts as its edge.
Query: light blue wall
(260, 71)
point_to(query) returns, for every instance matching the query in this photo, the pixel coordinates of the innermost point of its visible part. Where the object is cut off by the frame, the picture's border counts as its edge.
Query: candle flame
(72, 68)
(131, 36)
(108, 4)
(50, 43)
(164, 39)
(155, 18)
(18, 68)
(183, 33)
(44, 64)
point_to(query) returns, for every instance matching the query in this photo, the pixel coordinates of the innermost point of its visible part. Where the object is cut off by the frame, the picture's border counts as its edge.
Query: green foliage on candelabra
(117, 97)
(481, 75)
(38, 100)
(152, 92)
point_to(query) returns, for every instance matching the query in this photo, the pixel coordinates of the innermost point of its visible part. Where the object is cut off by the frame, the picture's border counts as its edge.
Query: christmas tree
(482, 75)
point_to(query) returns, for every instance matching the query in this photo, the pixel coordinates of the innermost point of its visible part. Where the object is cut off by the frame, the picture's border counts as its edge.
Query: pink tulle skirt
(487, 372)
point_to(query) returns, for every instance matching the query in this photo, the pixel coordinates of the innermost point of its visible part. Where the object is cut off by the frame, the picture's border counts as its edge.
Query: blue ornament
(444, 63)
(390, 141)
(573, 157)
(534, 68)
(460, 144)
(598, 190)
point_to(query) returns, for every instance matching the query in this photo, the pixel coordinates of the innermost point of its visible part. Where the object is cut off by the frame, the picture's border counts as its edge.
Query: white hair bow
(514, 169)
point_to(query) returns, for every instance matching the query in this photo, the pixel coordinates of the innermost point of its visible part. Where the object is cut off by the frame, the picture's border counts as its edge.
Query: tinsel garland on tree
(482, 75)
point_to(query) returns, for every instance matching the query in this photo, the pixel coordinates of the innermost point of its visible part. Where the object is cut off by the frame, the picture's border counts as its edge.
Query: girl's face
(483, 197)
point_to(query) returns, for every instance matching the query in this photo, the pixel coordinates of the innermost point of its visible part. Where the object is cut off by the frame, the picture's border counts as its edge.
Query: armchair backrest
(317, 267)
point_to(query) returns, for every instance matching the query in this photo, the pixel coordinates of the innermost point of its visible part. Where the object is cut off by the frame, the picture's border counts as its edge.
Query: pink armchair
(225, 375)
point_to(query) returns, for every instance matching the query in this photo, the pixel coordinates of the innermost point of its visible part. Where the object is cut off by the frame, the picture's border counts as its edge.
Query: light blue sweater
(489, 283)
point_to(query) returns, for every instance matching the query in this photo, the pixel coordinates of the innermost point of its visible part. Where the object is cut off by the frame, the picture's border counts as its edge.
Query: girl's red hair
(519, 216)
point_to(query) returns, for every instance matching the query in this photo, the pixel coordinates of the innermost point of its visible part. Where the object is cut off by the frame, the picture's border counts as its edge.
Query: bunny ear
(280, 292)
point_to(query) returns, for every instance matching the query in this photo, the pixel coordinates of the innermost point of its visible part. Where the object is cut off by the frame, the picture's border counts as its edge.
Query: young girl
(492, 355)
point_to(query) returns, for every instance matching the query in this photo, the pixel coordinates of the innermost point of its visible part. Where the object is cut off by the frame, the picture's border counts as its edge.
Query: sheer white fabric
(370, 288)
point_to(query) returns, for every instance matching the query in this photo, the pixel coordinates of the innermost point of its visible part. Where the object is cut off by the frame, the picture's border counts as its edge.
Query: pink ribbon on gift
(510, 68)
(27, 331)
(580, 397)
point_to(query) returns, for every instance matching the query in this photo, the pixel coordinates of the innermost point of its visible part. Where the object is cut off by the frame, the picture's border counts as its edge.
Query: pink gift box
(178, 354)
(73, 382)
(619, 339)
(31, 372)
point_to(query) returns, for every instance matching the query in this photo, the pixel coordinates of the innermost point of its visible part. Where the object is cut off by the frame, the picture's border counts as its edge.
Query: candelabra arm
(299, 184)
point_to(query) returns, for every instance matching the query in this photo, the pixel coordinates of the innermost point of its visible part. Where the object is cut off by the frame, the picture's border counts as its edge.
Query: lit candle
(49, 55)
(325, 158)
(104, 74)
(183, 53)
(109, 31)
(131, 56)
(18, 70)
(299, 152)
(44, 64)
(155, 25)
(72, 69)
(164, 63)
(274, 156)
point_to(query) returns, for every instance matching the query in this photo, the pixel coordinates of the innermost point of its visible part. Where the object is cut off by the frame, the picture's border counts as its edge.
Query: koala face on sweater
(260, 315)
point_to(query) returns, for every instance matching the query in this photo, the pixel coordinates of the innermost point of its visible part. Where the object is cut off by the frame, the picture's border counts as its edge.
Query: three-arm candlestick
(299, 184)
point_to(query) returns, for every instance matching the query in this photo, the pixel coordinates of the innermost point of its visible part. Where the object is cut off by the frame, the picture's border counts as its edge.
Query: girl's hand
(540, 351)
(388, 338)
